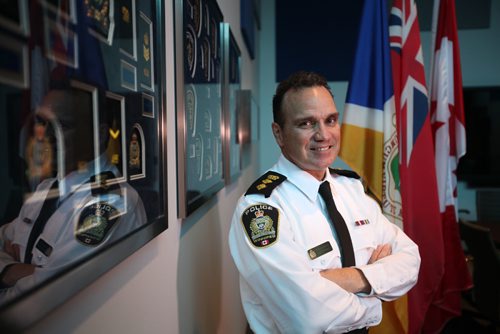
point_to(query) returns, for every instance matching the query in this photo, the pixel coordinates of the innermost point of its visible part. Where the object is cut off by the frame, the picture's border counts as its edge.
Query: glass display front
(81, 108)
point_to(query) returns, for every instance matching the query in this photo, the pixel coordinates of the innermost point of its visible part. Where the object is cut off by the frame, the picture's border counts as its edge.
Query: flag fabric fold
(448, 125)
(369, 121)
(407, 161)
(369, 144)
(421, 215)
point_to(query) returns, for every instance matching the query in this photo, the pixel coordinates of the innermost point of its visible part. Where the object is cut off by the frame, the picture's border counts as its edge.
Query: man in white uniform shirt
(73, 215)
(300, 272)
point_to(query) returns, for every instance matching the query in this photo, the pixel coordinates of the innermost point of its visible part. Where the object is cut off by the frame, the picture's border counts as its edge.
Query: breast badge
(261, 224)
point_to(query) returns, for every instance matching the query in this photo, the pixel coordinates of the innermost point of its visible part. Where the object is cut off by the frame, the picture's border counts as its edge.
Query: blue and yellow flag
(369, 138)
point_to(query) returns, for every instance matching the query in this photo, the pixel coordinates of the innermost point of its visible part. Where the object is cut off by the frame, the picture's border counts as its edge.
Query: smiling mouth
(321, 149)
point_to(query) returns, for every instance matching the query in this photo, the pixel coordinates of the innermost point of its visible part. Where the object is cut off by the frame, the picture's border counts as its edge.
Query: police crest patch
(261, 223)
(95, 222)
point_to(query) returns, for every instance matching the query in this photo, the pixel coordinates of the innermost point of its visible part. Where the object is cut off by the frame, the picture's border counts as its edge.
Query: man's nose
(321, 132)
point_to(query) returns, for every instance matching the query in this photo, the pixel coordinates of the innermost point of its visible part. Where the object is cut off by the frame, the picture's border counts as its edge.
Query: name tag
(44, 247)
(319, 250)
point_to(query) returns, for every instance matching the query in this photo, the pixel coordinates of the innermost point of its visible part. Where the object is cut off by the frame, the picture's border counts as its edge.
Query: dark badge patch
(261, 224)
(95, 222)
(266, 184)
(319, 250)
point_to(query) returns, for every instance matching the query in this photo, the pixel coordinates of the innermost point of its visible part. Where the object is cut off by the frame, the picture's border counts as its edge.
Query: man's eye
(306, 124)
(332, 120)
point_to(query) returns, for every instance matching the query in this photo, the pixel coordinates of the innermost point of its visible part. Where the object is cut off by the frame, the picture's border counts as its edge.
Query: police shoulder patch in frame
(95, 222)
(261, 223)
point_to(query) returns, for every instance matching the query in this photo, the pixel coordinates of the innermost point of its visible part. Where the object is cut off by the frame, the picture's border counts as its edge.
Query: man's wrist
(3, 284)
(366, 286)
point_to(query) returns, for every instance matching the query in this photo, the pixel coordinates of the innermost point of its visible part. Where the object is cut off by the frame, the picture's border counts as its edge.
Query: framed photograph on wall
(232, 86)
(84, 146)
(137, 153)
(14, 70)
(61, 43)
(100, 18)
(14, 16)
(146, 54)
(125, 28)
(248, 115)
(199, 95)
(247, 21)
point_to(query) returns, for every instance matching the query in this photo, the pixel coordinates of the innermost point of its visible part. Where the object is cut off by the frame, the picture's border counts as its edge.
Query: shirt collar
(304, 181)
(76, 178)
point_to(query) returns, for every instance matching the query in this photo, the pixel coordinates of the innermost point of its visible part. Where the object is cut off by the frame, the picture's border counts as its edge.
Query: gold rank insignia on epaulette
(266, 184)
(345, 172)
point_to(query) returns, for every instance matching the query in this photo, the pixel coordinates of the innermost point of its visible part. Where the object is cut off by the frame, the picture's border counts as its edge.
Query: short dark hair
(296, 81)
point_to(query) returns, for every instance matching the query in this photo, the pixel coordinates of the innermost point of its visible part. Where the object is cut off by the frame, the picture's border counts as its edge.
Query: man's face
(310, 136)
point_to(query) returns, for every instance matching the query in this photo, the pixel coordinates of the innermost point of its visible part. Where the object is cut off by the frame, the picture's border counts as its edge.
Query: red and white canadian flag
(448, 127)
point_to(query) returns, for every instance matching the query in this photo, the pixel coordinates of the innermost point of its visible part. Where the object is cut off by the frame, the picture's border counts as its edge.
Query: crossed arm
(15, 271)
(352, 279)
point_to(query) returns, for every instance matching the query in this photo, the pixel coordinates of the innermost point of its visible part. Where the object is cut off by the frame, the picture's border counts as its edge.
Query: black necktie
(339, 225)
(48, 208)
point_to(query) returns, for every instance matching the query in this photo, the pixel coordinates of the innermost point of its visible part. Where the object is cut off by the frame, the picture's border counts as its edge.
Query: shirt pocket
(22, 231)
(363, 241)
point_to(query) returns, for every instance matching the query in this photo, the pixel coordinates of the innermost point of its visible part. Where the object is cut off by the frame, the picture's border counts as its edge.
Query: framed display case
(199, 102)
(14, 16)
(231, 102)
(82, 113)
(247, 114)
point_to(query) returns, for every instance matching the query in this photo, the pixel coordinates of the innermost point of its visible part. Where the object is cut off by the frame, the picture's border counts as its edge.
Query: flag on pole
(369, 144)
(369, 122)
(448, 125)
(421, 215)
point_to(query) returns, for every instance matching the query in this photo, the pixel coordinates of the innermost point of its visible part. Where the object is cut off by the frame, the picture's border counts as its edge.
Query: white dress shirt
(68, 236)
(281, 288)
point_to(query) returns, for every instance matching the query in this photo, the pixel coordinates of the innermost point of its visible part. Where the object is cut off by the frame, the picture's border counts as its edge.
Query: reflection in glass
(75, 123)
(77, 212)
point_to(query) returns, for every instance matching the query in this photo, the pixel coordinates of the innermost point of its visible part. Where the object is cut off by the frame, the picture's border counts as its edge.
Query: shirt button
(323, 261)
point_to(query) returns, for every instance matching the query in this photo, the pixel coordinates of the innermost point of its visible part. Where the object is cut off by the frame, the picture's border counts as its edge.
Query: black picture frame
(231, 102)
(247, 22)
(199, 101)
(150, 182)
(14, 70)
(14, 16)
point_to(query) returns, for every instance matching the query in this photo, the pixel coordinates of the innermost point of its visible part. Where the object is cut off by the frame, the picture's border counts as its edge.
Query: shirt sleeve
(394, 275)
(298, 298)
(6, 234)
(70, 251)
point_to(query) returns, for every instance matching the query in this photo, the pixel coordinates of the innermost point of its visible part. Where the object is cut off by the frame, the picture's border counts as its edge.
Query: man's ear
(278, 133)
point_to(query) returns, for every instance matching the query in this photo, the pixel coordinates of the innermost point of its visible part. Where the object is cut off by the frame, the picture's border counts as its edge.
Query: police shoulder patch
(266, 184)
(345, 172)
(95, 222)
(261, 223)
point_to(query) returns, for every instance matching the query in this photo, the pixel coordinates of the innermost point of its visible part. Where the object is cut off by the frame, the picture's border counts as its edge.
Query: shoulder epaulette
(266, 184)
(345, 172)
(102, 183)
